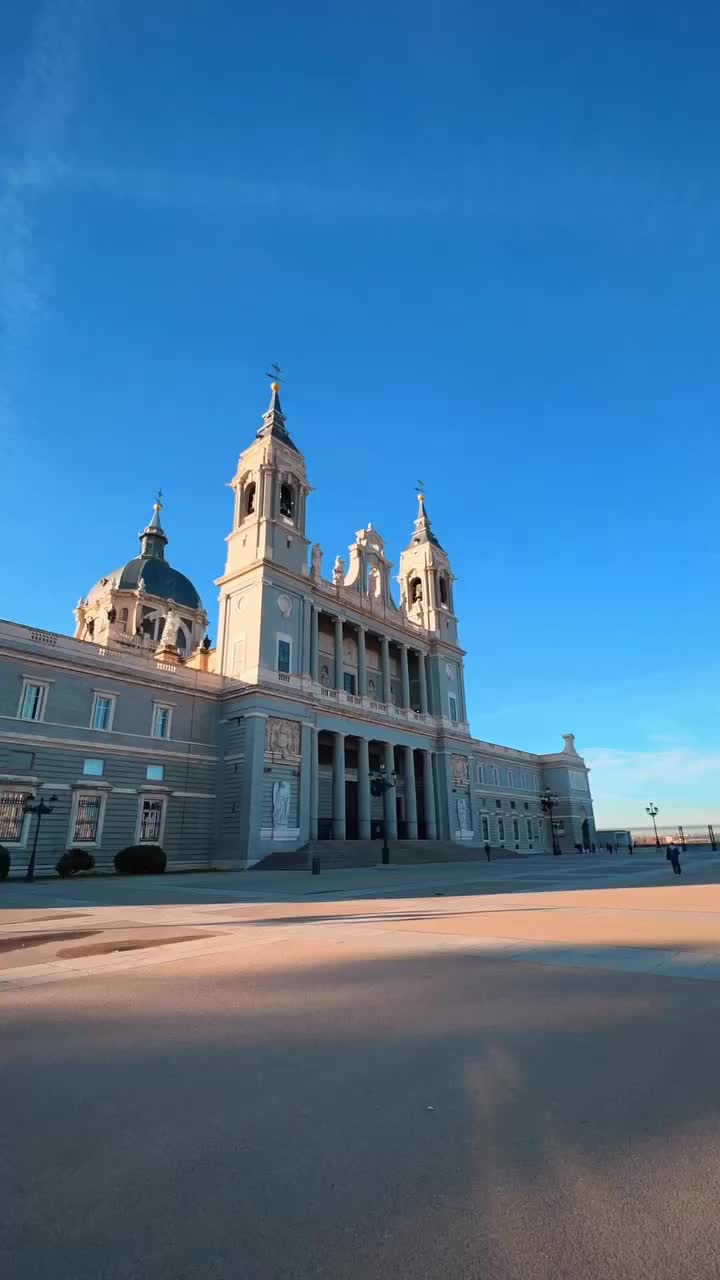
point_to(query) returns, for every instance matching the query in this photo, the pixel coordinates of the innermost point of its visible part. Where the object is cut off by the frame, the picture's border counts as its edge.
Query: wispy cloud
(508, 183)
(682, 780)
(35, 126)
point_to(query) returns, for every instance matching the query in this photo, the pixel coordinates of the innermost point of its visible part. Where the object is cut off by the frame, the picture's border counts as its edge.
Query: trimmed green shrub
(73, 861)
(140, 860)
(4, 863)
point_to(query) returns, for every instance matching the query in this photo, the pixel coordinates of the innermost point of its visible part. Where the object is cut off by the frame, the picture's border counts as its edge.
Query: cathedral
(326, 717)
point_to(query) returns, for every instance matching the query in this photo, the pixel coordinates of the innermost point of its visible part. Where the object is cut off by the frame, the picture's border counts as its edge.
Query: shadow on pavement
(419, 1117)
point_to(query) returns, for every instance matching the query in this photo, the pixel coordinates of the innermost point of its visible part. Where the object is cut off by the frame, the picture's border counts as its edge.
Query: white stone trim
(85, 745)
(276, 834)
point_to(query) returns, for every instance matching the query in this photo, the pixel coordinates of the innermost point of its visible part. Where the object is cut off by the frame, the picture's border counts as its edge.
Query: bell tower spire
(270, 488)
(426, 579)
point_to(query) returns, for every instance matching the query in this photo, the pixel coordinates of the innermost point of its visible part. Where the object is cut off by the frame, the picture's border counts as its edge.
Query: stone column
(362, 664)
(363, 750)
(315, 644)
(385, 669)
(339, 787)
(389, 798)
(428, 687)
(410, 794)
(338, 653)
(429, 796)
(404, 676)
(314, 783)
(423, 683)
(252, 847)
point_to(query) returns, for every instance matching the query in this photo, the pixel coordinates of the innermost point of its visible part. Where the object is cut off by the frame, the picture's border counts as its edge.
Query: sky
(481, 239)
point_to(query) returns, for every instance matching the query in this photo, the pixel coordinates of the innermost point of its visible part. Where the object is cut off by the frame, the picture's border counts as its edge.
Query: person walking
(673, 856)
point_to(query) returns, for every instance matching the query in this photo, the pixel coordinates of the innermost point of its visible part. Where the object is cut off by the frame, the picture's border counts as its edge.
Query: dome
(158, 579)
(151, 571)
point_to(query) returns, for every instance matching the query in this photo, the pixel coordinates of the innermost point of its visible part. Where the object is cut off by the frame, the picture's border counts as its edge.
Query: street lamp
(40, 808)
(653, 810)
(550, 802)
(379, 784)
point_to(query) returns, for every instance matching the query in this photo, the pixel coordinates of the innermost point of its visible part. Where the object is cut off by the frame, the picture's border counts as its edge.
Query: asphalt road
(363, 1104)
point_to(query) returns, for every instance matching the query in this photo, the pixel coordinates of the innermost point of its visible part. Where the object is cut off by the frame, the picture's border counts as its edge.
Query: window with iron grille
(12, 816)
(151, 814)
(87, 819)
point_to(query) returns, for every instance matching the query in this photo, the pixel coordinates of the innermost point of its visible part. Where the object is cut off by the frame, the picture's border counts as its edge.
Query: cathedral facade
(326, 714)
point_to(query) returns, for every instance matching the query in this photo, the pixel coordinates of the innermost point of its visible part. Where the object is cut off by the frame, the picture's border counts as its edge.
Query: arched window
(180, 641)
(416, 591)
(443, 590)
(249, 500)
(287, 501)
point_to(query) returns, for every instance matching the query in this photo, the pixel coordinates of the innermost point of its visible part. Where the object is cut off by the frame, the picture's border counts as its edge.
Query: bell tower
(270, 491)
(426, 581)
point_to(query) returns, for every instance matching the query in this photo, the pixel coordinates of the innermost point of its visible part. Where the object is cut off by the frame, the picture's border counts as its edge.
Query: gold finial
(275, 386)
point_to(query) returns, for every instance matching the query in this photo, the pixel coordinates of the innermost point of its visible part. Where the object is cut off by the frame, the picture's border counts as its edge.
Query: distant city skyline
(483, 246)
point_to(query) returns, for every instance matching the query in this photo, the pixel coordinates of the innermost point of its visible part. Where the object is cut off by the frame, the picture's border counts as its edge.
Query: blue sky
(482, 240)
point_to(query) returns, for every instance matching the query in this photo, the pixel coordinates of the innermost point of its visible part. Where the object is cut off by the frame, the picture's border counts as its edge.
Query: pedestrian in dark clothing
(487, 851)
(673, 856)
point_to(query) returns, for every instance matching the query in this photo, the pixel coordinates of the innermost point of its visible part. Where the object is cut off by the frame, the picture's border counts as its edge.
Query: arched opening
(443, 590)
(287, 501)
(249, 499)
(415, 590)
(180, 640)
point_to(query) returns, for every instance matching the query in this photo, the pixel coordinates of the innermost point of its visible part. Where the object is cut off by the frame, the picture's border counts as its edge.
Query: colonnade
(409, 789)
(362, 674)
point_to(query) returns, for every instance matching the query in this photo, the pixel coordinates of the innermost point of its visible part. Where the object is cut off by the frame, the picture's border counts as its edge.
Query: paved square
(468, 1071)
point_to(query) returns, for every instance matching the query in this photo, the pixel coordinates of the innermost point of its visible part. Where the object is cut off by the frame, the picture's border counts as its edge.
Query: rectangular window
(498, 804)
(510, 778)
(494, 776)
(512, 804)
(283, 657)
(528, 828)
(156, 772)
(152, 812)
(523, 781)
(485, 827)
(480, 774)
(161, 721)
(102, 711)
(94, 768)
(86, 823)
(501, 830)
(453, 707)
(32, 701)
(349, 682)
(12, 817)
(516, 830)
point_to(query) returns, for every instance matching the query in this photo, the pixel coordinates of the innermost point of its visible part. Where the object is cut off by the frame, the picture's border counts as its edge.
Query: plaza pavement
(500, 1071)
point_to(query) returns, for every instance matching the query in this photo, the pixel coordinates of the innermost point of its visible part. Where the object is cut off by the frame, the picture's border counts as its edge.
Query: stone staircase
(336, 854)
